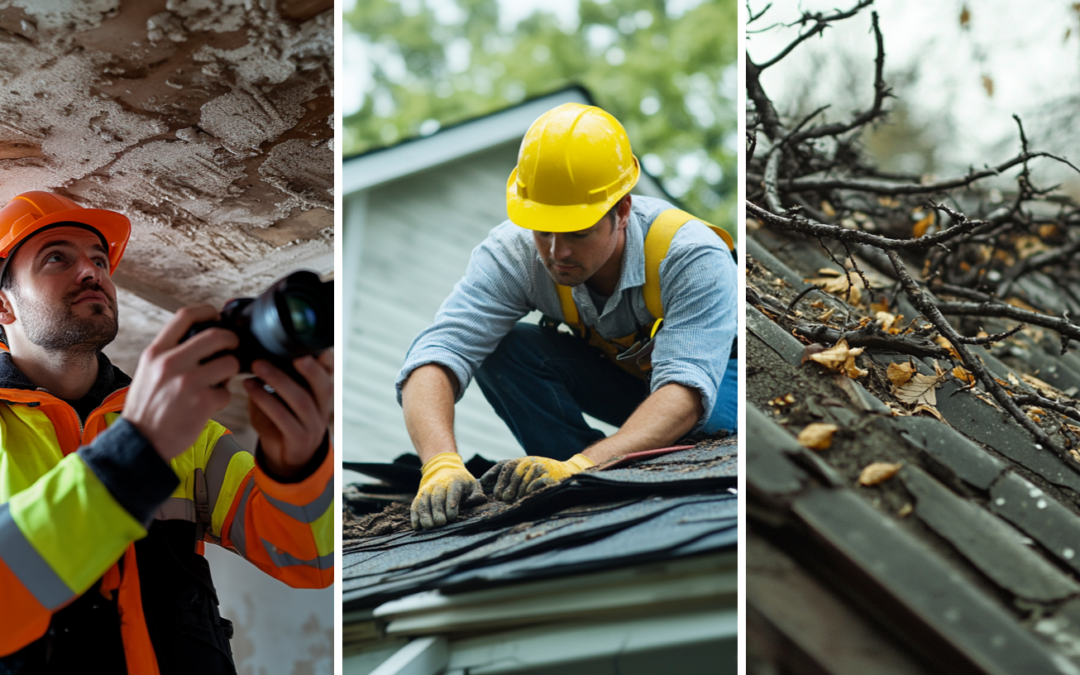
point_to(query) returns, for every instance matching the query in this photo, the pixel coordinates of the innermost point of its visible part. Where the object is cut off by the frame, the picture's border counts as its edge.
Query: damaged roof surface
(679, 502)
(965, 560)
(208, 123)
(673, 509)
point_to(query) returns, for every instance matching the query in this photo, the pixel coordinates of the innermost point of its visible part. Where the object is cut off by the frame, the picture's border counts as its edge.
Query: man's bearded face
(57, 327)
(63, 297)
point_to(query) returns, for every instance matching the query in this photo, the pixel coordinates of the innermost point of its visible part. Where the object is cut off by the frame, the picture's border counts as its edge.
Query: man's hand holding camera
(283, 337)
(293, 423)
(176, 389)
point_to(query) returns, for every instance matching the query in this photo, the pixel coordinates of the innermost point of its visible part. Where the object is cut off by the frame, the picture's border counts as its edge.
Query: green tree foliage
(669, 77)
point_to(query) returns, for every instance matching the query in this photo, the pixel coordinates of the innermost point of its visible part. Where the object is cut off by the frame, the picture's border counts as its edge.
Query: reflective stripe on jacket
(61, 529)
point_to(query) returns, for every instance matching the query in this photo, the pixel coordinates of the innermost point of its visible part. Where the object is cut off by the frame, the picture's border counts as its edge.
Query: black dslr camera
(291, 319)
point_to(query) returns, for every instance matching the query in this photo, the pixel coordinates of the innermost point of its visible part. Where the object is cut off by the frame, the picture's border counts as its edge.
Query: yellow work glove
(445, 484)
(512, 479)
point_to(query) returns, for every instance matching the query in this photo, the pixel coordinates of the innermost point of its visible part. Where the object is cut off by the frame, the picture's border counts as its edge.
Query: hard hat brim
(533, 215)
(114, 228)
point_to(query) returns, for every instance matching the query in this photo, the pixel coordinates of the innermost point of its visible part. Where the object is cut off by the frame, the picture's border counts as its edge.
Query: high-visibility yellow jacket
(63, 528)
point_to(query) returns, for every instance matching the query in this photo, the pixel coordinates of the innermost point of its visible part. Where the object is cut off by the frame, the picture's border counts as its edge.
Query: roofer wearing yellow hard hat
(109, 487)
(648, 291)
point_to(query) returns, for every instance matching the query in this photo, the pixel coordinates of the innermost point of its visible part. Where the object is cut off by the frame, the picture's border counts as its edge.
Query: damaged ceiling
(209, 123)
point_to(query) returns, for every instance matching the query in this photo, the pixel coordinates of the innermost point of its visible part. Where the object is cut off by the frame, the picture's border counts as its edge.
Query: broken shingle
(987, 542)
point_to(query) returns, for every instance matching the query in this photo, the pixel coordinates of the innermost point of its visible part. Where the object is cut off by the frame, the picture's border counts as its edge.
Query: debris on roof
(663, 522)
(940, 521)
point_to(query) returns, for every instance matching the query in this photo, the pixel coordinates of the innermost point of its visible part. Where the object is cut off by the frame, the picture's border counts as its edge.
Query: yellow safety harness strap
(569, 307)
(657, 243)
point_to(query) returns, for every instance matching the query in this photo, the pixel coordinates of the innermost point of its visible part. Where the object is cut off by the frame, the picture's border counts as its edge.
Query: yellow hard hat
(574, 164)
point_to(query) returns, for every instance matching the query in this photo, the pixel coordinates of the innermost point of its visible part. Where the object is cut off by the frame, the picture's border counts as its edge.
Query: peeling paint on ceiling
(209, 123)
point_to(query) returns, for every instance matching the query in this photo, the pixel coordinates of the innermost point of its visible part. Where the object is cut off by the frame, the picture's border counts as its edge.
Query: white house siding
(416, 236)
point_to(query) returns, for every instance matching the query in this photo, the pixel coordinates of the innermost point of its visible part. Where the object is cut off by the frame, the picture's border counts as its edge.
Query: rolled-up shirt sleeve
(699, 289)
(480, 311)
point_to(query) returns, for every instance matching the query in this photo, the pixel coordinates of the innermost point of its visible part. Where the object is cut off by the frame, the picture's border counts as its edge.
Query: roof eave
(382, 166)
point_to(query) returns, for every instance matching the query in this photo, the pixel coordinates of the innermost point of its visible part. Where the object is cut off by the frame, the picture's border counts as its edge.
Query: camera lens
(305, 321)
(294, 317)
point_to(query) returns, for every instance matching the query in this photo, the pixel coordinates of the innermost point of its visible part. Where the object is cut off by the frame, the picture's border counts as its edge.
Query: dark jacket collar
(109, 379)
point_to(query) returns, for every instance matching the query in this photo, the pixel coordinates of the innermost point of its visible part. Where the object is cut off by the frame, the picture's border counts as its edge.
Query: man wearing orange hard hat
(109, 487)
(647, 291)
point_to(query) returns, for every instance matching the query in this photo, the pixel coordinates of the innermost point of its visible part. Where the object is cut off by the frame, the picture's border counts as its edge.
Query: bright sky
(1027, 49)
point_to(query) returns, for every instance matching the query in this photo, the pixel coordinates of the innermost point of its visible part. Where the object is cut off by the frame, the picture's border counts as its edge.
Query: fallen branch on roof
(1006, 254)
(871, 336)
(797, 223)
(974, 365)
(1063, 327)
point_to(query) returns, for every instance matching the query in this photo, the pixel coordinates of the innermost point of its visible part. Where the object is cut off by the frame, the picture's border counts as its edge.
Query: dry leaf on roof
(963, 374)
(900, 373)
(886, 320)
(817, 436)
(1036, 414)
(986, 399)
(905, 510)
(841, 358)
(878, 472)
(827, 209)
(919, 390)
(1017, 302)
(840, 285)
(1040, 385)
(1005, 257)
(782, 401)
(1048, 231)
(889, 202)
(897, 411)
(932, 411)
(829, 272)
(1028, 246)
(945, 344)
(920, 228)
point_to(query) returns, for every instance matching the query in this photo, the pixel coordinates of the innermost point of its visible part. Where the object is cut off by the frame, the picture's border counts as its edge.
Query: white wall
(279, 630)
(404, 251)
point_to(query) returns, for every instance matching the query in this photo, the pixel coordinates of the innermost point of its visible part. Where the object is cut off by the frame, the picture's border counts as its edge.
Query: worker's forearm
(665, 416)
(427, 399)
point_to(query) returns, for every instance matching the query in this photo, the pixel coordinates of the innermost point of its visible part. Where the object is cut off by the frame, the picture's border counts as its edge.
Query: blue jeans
(540, 381)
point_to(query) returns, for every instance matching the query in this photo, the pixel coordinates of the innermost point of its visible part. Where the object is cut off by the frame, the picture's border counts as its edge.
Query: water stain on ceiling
(209, 123)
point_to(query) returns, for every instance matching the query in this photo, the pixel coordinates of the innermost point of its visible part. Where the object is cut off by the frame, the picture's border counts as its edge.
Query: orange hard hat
(31, 212)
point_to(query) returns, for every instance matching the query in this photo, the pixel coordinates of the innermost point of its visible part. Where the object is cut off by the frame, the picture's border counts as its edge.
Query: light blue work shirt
(506, 279)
